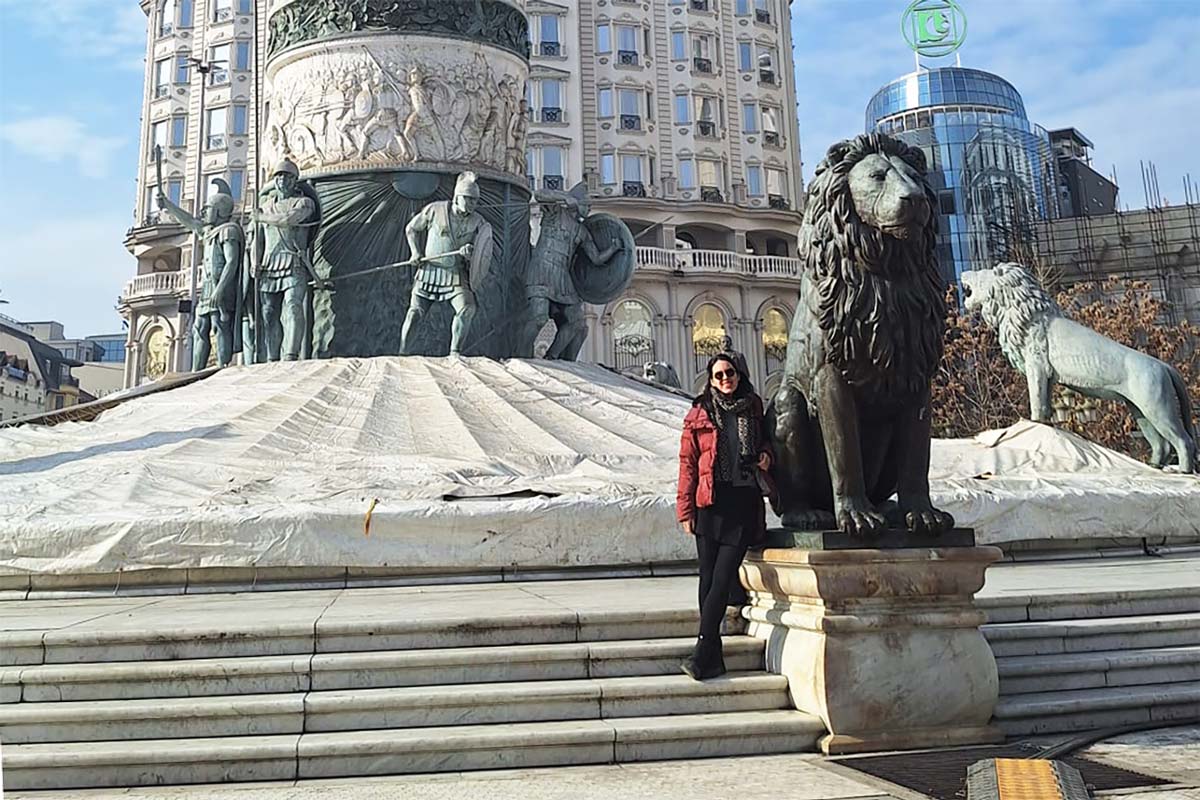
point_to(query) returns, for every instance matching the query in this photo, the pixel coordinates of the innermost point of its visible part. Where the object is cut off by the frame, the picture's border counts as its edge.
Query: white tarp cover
(279, 465)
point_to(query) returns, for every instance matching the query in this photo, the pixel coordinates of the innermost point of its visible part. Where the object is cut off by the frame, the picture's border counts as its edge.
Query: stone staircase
(280, 699)
(1112, 659)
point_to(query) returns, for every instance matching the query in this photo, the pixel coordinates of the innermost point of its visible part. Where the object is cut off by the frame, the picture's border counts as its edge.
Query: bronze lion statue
(851, 420)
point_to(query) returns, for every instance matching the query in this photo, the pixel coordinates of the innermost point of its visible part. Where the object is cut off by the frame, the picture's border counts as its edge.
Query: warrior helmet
(222, 199)
(286, 167)
(467, 186)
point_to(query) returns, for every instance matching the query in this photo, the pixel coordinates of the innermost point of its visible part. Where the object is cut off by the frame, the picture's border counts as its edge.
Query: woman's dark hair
(744, 385)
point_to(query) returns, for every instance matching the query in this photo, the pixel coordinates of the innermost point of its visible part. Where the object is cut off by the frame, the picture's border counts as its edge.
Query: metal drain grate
(942, 774)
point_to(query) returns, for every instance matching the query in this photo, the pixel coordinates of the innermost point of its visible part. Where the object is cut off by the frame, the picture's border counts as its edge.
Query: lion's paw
(929, 521)
(859, 519)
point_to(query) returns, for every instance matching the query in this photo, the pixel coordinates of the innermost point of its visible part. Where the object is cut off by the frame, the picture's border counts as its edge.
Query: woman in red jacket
(723, 459)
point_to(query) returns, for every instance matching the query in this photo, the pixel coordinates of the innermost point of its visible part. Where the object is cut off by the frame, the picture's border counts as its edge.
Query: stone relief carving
(491, 22)
(391, 106)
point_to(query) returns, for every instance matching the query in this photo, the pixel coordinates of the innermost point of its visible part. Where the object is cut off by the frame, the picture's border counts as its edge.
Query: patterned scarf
(747, 432)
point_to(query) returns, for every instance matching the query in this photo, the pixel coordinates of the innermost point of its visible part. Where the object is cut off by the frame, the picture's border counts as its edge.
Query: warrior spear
(412, 262)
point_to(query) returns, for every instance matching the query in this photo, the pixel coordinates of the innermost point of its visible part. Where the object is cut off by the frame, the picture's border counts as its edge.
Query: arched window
(156, 354)
(774, 338)
(708, 332)
(166, 18)
(633, 336)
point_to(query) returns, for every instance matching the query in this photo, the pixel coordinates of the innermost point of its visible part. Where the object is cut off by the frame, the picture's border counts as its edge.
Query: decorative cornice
(490, 22)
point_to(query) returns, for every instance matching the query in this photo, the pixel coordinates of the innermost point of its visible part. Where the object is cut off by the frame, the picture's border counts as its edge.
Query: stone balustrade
(721, 261)
(153, 285)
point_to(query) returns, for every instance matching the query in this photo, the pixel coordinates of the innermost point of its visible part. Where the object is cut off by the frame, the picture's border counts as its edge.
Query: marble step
(1067, 672)
(391, 752)
(1093, 635)
(238, 638)
(407, 707)
(1091, 709)
(360, 670)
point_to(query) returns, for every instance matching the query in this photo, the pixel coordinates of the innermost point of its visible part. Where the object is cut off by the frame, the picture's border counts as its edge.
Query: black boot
(706, 660)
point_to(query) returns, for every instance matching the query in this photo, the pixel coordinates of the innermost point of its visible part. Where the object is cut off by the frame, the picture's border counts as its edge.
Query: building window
(162, 77)
(608, 169)
(244, 6)
(683, 109)
(218, 58)
(708, 117)
(631, 176)
(633, 335)
(627, 45)
(711, 174)
(178, 132)
(237, 183)
(186, 13)
(605, 101)
(215, 128)
(240, 120)
(766, 65)
(708, 333)
(546, 30)
(687, 173)
(702, 52)
(750, 117)
(242, 60)
(182, 69)
(222, 10)
(549, 100)
(777, 193)
(754, 181)
(629, 101)
(678, 45)
(166, 18)
(946, 203)
(604, 38)
(159, 132)
(771, 131)
(553, 176)
(745, 56)
(774, 339)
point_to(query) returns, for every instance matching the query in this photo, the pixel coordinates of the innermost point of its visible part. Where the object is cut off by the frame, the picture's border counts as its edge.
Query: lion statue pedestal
(883, 645)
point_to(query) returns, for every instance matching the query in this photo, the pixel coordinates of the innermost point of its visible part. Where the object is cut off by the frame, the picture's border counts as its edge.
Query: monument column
(382, 105)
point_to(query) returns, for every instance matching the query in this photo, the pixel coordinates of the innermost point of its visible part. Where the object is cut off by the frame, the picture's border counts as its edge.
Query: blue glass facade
(993, 170)
(113, 347)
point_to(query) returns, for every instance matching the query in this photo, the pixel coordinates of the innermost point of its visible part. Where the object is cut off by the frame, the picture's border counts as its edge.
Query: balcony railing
(707, 128)
(550, 48)
(633, 189)
(717, 261)
(218, 77)
(762, 15)
(771, 138)
(552, 114)
(702, 65)
(628, 58)
(223, 15)
(767, 76)
(711, 194)
(153, 285)
(778, 201)
(216, 141)
(700, 5)
(631, 122)
(553, 182)
(162, 90)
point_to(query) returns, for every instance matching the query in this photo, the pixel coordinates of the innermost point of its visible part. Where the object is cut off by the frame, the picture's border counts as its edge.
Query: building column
(131, 352)
(739, 242)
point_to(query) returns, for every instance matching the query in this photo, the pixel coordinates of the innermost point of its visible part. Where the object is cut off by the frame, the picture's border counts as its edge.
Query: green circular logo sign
(934, 28)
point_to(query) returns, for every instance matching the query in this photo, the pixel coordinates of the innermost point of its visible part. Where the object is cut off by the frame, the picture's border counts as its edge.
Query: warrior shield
(481, 259)
(600, 284)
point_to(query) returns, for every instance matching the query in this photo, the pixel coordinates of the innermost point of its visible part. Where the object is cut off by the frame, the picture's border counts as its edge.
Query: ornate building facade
(678, 114)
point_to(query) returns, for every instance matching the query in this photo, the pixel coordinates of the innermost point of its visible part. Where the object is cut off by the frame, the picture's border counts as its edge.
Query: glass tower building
(993, 170)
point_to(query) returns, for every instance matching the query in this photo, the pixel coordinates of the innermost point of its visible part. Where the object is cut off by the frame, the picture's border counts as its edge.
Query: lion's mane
(1018, 309)
(881, 303)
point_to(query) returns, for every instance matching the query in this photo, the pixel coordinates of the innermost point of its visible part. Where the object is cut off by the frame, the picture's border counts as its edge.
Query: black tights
(718, 576)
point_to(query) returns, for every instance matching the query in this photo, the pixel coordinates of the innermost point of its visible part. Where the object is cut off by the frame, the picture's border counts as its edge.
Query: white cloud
(106, 29)
(57, 138)
(70, 269)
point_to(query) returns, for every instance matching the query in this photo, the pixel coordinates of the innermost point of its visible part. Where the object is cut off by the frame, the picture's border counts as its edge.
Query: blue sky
(1125, 72)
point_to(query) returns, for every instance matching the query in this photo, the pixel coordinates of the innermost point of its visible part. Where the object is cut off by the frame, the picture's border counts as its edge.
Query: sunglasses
(727, 374)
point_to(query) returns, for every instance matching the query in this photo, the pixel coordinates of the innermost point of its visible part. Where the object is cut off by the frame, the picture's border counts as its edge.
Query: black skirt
(736, 516)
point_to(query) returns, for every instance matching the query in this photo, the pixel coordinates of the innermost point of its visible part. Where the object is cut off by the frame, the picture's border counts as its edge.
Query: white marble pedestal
(883, 645)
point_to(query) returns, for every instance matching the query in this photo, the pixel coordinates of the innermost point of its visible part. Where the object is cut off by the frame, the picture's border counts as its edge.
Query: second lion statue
(851, 421)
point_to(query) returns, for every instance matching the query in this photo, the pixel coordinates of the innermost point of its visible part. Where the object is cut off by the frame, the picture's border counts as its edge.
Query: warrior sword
(412, 262)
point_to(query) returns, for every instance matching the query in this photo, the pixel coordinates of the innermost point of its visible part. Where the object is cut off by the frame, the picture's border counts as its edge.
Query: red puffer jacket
(697, 458)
